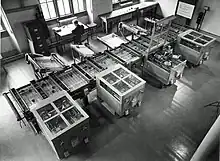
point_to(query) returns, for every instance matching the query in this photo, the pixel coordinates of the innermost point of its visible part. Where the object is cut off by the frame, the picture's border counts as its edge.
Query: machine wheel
(161, 85)
(180, 76)
(172, 82)
(201, 62)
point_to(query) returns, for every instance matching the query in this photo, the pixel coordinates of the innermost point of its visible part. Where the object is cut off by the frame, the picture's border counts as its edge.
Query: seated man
(77, 33)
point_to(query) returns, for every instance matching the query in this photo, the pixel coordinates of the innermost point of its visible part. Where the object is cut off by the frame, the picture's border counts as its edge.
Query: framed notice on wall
(185, 9)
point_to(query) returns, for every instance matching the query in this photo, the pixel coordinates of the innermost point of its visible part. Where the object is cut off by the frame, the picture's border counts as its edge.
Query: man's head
(76, 23)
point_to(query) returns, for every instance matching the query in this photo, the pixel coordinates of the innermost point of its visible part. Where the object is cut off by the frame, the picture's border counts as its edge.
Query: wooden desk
(65, 32)
(66, 29)
(112, 40)
(106, 18)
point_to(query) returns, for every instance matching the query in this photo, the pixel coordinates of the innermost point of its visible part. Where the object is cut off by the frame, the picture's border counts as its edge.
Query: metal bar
(58, 60)
(31, 60)
(15, 111)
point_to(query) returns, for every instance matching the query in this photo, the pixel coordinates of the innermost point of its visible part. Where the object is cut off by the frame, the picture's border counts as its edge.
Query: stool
(92, 29)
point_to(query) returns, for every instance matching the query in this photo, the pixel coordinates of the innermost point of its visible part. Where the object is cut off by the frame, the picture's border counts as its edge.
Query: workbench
(118, 14)
(112, 40)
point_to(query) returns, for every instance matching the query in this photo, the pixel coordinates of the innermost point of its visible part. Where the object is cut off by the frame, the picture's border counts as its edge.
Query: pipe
(208, 143)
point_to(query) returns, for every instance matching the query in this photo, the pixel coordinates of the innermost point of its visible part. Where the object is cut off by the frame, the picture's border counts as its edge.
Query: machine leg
(127, 112)
(86, 140)
(201, 62)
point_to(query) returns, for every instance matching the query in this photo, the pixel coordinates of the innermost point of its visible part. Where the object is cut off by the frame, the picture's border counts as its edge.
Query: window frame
(48, 9)
(58, 16)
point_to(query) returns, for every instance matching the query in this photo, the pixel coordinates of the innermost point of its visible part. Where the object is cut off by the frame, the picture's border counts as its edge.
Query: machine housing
(194, 46)
(63, 122)
(120, 89)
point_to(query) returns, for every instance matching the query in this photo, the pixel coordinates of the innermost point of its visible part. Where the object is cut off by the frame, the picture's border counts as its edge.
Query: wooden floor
(169, 126)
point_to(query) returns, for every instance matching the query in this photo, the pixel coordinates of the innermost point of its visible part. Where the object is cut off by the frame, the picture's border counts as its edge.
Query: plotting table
(112, 40)
(106, 18)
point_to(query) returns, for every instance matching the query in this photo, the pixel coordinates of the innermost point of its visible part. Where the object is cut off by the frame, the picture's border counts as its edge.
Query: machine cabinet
(120, 89)
(165, 66)
(194, 46)
(63, 122)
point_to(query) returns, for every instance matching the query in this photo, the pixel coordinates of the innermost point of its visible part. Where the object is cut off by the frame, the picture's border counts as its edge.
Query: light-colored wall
(168, 7)
(6, 45)
(100, 7)
(12, 4)
(212, 18)
(15, 18)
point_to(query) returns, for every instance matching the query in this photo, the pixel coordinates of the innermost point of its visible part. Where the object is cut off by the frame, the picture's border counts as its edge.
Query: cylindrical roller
(129, 28)
(15, 111)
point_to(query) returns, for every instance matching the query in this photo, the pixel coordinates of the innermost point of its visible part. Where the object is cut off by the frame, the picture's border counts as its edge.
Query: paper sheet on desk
(114, 42)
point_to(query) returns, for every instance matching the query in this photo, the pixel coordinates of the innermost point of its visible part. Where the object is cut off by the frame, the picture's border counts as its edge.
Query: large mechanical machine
(42, 65)
(195, 46)
(63, 122)
(47, 108)
(165, 66)
(105, 60)
(90, 68)
(119, 89)
(74, 80)
(127, 55)
(153, 37)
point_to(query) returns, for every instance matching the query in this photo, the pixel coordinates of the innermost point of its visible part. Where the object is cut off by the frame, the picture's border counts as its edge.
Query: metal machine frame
(165, 74)
(105, 60)
(40, 70)
(130, 59)
(73, 80)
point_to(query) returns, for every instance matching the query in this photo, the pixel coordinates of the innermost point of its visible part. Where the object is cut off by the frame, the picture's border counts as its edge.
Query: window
(48, 9)
(64, 7)
(78, 6)
(115, 1)
(58, 8)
